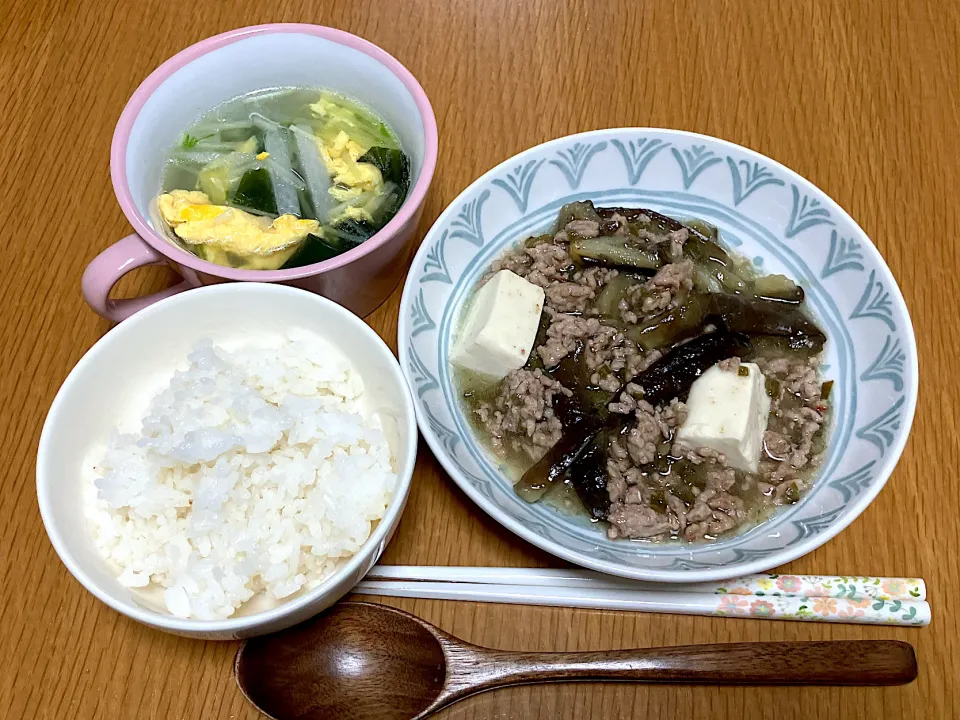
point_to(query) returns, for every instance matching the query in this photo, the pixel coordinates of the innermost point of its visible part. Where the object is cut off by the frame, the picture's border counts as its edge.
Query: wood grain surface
(861, 96)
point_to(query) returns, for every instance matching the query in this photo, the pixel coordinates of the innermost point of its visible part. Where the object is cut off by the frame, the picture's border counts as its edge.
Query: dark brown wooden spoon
(365, 661)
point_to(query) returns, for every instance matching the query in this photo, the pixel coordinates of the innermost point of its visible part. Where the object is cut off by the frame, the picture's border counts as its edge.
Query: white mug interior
(258, 62)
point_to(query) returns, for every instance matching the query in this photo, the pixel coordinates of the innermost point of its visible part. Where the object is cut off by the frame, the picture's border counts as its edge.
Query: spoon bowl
(361, 661)
(358, 660)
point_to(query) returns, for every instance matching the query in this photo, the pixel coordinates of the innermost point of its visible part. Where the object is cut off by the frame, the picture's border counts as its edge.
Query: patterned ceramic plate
(764, 211)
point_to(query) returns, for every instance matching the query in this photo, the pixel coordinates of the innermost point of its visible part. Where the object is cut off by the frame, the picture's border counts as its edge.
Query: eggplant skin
(767, 317)
(672, 375)
(747, 315)
(588, 475)
(553, 466)
(613, 252)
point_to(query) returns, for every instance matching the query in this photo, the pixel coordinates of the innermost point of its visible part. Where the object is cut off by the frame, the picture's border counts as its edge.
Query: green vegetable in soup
(255, 193)
(188, 141)
(347, 234)
(394, 165)
(313, 250)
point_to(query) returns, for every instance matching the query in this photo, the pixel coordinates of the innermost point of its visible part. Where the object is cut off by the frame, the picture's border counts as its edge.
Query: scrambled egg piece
(325, 106)
(227, 234)
(263, 156)
(357, 213)
(341, 156)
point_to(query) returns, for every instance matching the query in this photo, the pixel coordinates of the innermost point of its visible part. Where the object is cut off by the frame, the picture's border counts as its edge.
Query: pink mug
(238, 62)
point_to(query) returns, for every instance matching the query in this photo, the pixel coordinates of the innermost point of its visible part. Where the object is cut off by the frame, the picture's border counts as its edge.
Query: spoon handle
(846, 662)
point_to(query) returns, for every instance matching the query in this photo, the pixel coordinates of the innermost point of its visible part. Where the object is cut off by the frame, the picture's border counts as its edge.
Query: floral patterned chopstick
(832, 586)
(810, 598)
(872, 600)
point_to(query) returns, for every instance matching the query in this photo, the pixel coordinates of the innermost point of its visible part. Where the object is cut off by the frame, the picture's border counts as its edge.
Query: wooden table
(861, 97)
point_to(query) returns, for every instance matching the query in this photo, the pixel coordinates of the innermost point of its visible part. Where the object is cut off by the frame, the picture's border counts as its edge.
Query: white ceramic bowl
(113, 383)
(764, 211)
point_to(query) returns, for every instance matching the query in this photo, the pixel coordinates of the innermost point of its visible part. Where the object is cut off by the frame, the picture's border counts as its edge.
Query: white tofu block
(728, 412)
(501, 326)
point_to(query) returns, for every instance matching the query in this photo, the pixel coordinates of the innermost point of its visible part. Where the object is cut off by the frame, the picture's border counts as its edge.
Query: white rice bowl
(258, 472)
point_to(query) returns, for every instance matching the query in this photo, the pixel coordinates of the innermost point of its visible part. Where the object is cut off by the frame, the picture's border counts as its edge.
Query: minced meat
(521, 416)
(667, 289)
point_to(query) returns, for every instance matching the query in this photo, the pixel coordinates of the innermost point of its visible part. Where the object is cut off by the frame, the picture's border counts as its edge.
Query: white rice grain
(257, 472)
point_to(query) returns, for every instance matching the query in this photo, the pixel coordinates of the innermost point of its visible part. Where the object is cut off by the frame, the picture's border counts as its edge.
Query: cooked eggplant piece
(714, 260)
(613, 251)
(673, 325)
(576, 211)
(588, 476)
(716, 271)
(609, 297)
(575, 440)
(747, 315)
(573, 373)
(672, 375)
(778, 288)
(709, 231)
(535, 362)
(631, 214)
(765, 317)
(652, 221)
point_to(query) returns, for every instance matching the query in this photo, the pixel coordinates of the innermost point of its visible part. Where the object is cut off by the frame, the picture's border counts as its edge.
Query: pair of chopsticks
(811, 598)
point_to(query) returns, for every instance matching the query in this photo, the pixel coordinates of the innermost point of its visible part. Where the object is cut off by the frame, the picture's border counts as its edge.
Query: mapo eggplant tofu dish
(629, 364)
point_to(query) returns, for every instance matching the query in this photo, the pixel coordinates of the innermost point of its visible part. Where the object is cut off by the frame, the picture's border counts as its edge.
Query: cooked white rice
(257, 472)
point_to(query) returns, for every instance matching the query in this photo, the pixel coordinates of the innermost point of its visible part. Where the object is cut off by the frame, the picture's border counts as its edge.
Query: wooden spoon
(366, 661)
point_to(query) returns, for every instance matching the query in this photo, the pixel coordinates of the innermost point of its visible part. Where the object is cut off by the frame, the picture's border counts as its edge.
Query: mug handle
(108, 267)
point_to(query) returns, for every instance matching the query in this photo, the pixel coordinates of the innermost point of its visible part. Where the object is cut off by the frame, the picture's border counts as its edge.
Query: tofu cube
(727, 412)
(500, 328)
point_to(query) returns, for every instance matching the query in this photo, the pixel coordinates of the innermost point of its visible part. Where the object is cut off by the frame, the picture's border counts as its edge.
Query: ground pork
(667, 289)
(730, 364)
(542, 265)
(568, 297)
(594, 277)
(550, 264)
(521, 417)
(607, 352)
(563, 334)
(797, 414)
(676, 241)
